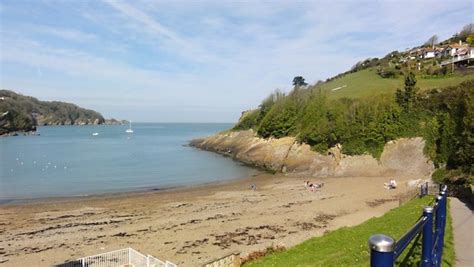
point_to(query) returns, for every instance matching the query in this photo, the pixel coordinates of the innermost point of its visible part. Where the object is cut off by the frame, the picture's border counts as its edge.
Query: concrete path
(463, 227)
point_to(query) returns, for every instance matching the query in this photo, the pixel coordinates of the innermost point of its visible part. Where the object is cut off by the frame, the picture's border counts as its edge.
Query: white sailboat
(129, 130)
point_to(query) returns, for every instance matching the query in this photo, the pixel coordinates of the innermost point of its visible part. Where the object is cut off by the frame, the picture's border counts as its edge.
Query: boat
(95, 134)
(129, 130)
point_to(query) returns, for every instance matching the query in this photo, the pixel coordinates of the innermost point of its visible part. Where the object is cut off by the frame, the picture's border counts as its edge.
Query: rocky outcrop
(400, 157)
(11, 123)
(115, 122)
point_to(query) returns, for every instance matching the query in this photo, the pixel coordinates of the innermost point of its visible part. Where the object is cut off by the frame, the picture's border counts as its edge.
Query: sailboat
(129, 130)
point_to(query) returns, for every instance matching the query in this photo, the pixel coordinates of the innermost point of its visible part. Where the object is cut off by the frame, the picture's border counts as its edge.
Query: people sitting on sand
(312, 186)
(392, 184)
(253, 187)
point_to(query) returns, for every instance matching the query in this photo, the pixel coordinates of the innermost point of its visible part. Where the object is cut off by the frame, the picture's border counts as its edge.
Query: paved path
(463, 227)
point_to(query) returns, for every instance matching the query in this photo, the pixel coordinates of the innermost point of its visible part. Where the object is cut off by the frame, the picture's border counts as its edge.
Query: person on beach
(392, 184)
(314, 186)
(253, 187)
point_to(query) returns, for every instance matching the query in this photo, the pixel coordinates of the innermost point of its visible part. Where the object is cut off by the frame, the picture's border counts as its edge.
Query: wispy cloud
(67, 34)
(146, 20)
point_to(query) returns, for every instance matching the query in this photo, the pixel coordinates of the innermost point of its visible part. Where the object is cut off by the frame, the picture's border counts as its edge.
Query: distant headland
(21, 114)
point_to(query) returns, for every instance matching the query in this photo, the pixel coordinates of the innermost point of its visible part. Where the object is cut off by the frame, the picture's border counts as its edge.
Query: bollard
(381, 251)
(427, 245)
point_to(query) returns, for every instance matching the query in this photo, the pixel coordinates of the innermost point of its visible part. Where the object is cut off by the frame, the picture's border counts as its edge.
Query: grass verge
(348, 246)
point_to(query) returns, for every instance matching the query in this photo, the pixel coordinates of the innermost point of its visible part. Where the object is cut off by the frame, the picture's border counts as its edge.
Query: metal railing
(457, 59)
(118, 258)
(384, 250)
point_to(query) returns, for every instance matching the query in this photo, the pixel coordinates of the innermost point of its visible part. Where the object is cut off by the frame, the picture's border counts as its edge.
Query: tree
(470, 39)
(299, 81)
(406, 98)
(466, 30)
(432, 41)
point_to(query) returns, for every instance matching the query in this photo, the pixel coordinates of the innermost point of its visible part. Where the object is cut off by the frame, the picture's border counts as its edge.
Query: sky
(200, 61)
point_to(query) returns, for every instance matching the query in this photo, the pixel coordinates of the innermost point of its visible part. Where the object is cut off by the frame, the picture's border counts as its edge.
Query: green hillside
(425, 91)
(367, 83)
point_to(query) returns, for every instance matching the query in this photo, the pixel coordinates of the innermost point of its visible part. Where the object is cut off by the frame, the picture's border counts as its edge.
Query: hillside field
(367, 82)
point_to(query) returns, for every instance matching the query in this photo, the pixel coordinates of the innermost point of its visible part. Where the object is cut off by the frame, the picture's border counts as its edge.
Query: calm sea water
(69, 161)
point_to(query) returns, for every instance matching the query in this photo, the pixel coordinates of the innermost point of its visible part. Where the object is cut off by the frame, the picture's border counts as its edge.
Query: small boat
(95, 134)
(129, 130)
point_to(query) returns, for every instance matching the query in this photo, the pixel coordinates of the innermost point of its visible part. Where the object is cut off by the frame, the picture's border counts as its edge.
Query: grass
(348, 246)
(367, 82)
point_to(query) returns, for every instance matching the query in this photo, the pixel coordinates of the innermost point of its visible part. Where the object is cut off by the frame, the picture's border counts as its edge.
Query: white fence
(127, 257)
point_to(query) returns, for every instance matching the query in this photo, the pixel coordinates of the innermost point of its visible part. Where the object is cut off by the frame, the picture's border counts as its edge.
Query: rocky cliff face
(401, 157)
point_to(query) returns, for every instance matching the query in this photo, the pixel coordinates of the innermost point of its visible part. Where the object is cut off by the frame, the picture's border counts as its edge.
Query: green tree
(407, 97)
(299, 81)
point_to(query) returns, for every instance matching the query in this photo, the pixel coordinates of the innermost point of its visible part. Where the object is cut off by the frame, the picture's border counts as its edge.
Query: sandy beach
(190, 226)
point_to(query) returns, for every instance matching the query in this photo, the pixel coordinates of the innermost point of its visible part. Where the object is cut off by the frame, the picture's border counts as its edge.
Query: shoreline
(123, 193)
(190, 226)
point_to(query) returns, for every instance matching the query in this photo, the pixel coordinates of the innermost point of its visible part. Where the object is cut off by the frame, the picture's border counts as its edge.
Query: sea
(68, 161)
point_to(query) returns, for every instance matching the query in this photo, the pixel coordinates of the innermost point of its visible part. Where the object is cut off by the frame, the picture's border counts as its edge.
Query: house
(429, 53)
(462, 56)
(453, 49)
(415, 53)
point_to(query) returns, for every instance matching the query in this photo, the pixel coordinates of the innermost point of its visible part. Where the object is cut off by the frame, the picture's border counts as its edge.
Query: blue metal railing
(431, 225)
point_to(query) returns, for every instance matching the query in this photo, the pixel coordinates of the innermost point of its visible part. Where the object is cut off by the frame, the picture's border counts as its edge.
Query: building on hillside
(462, 56)
(415, 53)
(453, 49)
(429, 53)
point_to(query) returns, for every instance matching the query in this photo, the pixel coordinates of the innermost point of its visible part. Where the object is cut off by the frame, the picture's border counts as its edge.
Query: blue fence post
(381, 251)
(442, 217)
(427, 245)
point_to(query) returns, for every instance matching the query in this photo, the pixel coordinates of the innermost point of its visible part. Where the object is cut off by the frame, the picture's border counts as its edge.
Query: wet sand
(190, 226)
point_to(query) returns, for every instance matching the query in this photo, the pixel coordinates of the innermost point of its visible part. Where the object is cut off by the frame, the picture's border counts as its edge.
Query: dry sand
(190, 226)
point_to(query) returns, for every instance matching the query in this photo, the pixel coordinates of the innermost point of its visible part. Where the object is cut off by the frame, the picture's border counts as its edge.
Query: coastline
(125, 193)
(192, 225)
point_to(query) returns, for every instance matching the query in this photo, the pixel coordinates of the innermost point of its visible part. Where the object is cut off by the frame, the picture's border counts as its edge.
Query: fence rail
(118, 258)
(384, 250)
(457, 59)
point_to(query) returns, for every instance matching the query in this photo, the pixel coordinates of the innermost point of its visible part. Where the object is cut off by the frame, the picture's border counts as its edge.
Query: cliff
(401, 157)
(24, 113)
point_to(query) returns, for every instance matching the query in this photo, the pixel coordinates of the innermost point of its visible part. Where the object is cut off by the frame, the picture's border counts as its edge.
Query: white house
(454, 49)
(429, 53)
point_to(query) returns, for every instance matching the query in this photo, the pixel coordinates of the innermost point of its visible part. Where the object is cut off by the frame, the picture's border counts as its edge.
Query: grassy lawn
(348, 246)
(367, 82)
